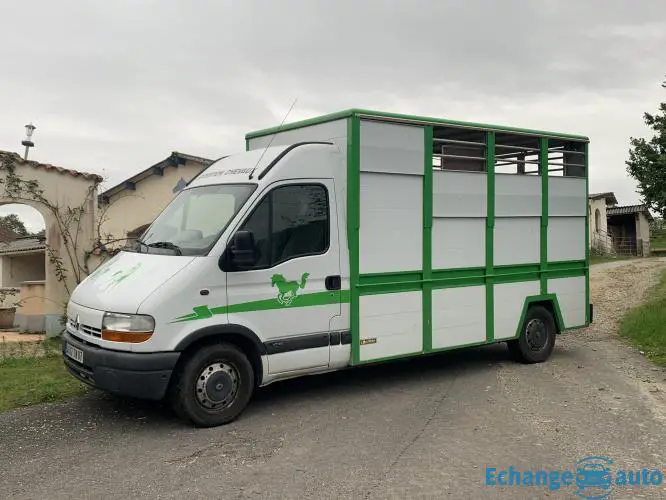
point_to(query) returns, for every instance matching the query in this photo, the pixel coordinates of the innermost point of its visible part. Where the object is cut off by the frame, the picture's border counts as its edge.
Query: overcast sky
(114, 87)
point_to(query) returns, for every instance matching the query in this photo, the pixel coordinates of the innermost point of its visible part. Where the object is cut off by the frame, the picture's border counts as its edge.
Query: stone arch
(60, 188)
(23, 263)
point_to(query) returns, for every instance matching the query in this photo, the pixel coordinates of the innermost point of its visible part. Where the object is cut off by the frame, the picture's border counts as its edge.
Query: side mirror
(242, 249)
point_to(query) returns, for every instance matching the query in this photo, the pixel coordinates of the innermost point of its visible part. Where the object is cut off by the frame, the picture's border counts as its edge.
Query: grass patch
(26, 381)
(643, 326)
(658, 240)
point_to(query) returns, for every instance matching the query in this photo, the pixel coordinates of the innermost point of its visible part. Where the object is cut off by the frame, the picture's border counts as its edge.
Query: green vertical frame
(587, 235)
(427, 240)
(543, 241)
(490, 236)
(353, 228)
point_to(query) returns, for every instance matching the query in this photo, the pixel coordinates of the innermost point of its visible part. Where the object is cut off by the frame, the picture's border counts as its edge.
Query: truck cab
(236, 284)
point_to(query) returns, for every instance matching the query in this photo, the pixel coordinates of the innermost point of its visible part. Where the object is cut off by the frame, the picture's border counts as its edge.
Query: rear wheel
(213, 385)
(537, 337)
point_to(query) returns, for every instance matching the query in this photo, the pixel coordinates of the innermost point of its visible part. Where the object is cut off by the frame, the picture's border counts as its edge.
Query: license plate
(74, 353)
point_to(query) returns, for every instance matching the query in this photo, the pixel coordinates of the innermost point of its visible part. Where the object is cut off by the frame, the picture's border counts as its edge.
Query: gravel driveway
(420, 429)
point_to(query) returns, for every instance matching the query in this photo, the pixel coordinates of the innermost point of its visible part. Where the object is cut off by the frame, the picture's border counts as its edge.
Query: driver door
(289, 295)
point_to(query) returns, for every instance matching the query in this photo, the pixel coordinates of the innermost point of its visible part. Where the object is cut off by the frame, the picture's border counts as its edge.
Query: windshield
(194, 220)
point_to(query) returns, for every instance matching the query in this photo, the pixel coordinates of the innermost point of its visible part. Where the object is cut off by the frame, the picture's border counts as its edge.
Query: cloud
(114, 87)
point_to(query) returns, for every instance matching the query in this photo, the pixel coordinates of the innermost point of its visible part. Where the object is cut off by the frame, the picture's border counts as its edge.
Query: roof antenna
(271, 141)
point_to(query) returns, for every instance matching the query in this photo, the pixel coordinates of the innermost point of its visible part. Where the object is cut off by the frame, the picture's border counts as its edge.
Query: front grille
(83, 329)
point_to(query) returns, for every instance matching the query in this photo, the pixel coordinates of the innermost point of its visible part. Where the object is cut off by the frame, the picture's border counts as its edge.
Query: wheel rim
(536, 334)
(217, 386)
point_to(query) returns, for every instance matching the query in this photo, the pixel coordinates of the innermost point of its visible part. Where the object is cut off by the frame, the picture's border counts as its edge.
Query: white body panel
(517, 240)
(458, 243)
(566, 218)
(335, 131)
(391, 204)
(458, 316)
(391, 238)
(570, 294)
(517, 219)
(459, 194)
(566, 197)
(392, 149)
(393, 323)
(566, 238)
(517, 196)
(459, 220)
(509, 302)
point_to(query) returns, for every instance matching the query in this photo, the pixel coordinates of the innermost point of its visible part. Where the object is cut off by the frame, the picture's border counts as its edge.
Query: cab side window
(291, 221)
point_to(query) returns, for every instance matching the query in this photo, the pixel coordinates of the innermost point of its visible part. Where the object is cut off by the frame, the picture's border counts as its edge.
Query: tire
(537, 337)
(213, 385)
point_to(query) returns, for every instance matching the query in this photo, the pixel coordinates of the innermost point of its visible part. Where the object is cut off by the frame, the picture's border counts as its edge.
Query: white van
(353, 238)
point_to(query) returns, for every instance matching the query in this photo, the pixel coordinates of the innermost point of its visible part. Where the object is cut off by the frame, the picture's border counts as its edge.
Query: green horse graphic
(287, 290)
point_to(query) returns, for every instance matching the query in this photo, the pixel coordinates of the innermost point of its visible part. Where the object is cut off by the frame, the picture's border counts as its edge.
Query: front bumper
(137, 375)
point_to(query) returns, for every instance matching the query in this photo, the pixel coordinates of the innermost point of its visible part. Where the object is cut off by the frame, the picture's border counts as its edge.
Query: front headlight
(132, 328)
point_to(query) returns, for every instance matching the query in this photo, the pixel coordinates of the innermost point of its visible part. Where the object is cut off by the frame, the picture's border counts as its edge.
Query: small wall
(602, 228)
(30, 314)
(643, 234)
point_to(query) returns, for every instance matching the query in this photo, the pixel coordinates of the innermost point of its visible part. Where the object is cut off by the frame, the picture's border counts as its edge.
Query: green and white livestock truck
(353, 238)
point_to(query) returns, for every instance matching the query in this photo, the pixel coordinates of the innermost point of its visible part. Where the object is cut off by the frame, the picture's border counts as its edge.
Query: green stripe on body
(587, 237)
(427, 240)
(490, 237)
(371, 284)
(543, 167)
(353, 228)
(303, 300)
(544, 297)
(408, 119)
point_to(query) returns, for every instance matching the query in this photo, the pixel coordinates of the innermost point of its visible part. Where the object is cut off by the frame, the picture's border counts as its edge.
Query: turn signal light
(131, 337)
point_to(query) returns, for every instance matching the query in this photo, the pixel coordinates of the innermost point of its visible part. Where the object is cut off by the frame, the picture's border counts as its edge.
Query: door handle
(333, 282)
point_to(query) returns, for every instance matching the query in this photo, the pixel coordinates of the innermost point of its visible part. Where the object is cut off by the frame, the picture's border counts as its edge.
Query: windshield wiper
(165, 244)
(140, 244)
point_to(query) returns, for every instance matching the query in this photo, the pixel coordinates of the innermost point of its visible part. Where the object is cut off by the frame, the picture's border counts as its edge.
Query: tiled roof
(16, 158)
(628, 210)
(197, 159)
(25, 244)
(174, 159)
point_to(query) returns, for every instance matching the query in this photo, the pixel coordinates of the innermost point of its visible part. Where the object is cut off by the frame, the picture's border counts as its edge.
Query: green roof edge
(408, 118)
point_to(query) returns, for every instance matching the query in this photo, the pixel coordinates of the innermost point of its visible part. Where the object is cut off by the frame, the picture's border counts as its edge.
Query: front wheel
(213, 385)
(537, 337)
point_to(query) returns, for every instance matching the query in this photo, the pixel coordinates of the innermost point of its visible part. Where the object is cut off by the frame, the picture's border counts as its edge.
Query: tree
(12, 224)
(647, 161)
